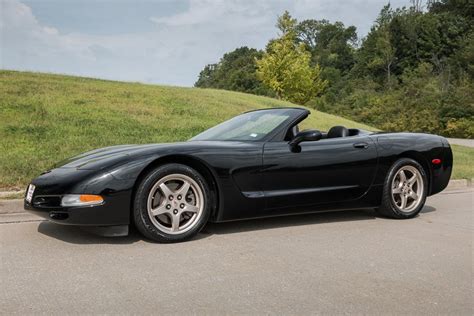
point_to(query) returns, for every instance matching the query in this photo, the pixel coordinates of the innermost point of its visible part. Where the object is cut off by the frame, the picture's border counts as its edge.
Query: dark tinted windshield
(251, 126)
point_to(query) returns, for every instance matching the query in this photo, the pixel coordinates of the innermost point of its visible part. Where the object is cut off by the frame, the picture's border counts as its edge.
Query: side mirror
(305, 136)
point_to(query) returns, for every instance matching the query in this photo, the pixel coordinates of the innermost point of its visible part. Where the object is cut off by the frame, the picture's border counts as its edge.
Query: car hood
(105, 157)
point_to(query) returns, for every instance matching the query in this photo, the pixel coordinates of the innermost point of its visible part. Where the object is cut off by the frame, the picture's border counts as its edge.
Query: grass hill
(45, 118)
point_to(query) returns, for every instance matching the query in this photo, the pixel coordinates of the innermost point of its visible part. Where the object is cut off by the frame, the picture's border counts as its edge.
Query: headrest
(338, 131)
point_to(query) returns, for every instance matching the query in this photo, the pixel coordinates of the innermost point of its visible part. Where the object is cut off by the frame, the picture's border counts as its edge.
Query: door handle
(361, 145)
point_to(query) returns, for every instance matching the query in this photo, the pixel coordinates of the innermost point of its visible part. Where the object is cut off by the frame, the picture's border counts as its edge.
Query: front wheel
(171, 203)
(405, 190)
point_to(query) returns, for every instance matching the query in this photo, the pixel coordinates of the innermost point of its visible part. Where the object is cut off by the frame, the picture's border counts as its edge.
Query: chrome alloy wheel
(407, 189)
(175, 204)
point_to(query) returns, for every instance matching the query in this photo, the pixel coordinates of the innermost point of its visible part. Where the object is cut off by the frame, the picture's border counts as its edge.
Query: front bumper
(52, 185)
(111, 212)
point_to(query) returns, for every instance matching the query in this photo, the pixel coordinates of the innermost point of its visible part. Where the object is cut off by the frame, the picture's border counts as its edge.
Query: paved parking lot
(338, 263)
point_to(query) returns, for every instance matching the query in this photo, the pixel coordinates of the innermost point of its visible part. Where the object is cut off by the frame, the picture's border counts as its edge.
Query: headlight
(81, 200)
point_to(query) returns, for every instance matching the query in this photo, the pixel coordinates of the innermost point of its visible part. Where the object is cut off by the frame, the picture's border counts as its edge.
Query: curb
(5, 194)
(457, 184)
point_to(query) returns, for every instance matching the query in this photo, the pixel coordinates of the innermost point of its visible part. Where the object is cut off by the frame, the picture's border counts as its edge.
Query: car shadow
(78, 235)
(288, 220)
(428, 209)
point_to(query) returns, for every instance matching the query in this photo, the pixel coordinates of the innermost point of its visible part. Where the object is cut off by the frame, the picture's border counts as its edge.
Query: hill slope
(46, 118)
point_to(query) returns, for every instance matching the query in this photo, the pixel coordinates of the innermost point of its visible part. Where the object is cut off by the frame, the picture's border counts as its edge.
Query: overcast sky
(155, 41)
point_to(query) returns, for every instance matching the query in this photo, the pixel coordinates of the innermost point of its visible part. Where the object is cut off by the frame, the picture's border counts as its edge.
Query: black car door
(325, 171)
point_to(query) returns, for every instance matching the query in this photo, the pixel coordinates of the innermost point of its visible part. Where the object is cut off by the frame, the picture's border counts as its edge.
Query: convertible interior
(333, 132)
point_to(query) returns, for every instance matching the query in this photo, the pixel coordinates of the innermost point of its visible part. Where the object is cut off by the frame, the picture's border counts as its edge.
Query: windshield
(251, 126)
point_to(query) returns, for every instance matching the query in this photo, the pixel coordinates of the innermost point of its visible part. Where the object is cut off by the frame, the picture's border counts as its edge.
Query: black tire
(141, 217)
(388, 207)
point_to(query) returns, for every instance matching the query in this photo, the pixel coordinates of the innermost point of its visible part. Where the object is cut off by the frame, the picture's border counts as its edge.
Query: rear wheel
(405, 190)
(171, 203)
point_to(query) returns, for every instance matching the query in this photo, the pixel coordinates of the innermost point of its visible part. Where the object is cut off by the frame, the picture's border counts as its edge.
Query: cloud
(172, 51)
(360, 13)
(208, 29)
(26, 44)
(202, 12)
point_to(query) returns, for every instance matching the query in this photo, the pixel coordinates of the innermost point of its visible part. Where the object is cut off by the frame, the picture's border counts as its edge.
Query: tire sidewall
(388, 186)
(140, 210)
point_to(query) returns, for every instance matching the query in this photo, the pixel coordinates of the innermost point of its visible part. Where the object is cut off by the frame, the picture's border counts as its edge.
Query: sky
(152, 41)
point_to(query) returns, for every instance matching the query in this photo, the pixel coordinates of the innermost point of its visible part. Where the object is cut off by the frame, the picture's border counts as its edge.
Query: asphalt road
(336, 263)
(461, 141)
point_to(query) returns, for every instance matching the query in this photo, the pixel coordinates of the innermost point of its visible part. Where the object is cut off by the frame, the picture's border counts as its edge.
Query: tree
(459, 7)
(235, 71)
(386, 53)
(377, 55)
(330, 44)
(413, 71)
(285, 66)
(207, 77)
(286, 24)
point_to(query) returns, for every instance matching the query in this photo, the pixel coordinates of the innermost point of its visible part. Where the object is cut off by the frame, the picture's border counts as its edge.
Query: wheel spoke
(175, 222)
(397, 190)
(184, 189)
(413, 195)
(166, 191)
(191, 208)
(159, 210)
(412, 180)
(403, 200)
(403, 177)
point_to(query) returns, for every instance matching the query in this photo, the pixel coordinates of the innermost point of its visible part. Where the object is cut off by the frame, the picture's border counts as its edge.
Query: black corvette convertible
(256, 164)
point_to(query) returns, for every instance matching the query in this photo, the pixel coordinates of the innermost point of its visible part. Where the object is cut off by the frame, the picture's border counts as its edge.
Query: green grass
(463, 162)
(45, 118)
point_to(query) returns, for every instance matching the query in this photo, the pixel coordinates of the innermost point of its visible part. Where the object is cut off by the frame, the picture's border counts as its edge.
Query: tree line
(413, 71)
